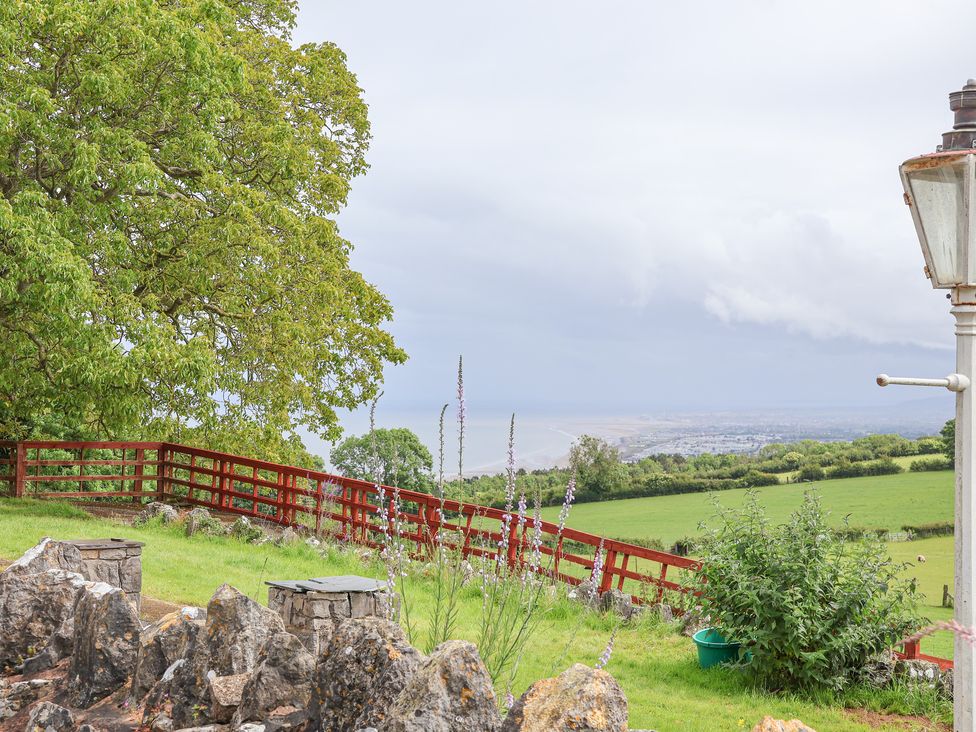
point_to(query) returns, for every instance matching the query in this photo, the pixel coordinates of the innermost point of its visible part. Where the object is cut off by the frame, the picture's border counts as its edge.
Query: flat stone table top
(106, 543)
(342, 583)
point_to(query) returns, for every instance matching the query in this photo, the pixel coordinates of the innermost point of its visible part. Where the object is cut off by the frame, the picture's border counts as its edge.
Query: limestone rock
(226, 693)
(199, 520)
(878, 672)
(229, 644)
(586, 593)
(246, 531)
(49, 554)
(619, 603)
(451, 690)
(918, 670)
(20, 694)
(361, 673)
(161, 644)
(283, 678)
(48, 717)
(154, 509)
(288, 536)
(59, 645)
(581, 698)
(106, 644)
(32, 607)
(768, 724)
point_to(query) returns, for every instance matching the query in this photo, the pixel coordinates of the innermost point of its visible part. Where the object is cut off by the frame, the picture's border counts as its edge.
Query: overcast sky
(622, 207)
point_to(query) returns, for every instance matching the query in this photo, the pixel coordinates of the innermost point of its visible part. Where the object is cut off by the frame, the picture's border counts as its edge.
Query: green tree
(397, 455)
(948, 433)
(597, 467)
(169, 260)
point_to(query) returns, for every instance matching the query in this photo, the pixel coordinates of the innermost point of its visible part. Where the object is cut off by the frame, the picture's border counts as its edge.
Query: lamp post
(940, 189)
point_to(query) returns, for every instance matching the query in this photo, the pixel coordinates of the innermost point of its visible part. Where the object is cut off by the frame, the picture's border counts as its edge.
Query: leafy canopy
(393, 456)
(169, 260)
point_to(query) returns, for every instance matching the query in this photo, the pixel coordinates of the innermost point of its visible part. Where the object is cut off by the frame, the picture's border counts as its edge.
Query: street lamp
(940, 188)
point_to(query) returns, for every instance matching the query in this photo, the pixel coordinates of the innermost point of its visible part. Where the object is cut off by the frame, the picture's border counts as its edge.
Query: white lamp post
(941, 190)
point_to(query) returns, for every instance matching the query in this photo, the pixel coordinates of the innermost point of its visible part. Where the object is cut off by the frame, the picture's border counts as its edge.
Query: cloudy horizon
(631, 207)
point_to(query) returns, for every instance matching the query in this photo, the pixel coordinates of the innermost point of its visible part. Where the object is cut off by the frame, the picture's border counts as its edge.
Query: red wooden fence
(332, 504)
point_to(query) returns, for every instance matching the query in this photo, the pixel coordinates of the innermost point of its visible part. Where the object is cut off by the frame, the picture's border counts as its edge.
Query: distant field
(931, 575)
(887, 501)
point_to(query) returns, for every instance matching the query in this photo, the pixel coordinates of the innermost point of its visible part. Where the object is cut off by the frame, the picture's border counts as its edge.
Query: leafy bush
(934, 463)
(811, 607)
(810, 473)
(884, 466)
(923, 531)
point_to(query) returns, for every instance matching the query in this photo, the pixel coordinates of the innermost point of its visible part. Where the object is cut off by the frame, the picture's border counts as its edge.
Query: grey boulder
(49, 717)
(32, 607)
(360, 674)
(161, 644)
(581, 699)
(451, 690)
(229, 644)
(283, 678)
(106, 644)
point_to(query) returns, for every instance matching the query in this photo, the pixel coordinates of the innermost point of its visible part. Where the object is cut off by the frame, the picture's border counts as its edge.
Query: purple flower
(567, 503)
(607, 652)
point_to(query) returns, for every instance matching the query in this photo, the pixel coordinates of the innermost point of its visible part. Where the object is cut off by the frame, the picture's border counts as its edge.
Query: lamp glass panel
(939, 194)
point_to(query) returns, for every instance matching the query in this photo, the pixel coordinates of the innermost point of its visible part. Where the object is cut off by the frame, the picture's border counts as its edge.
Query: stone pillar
(117, 562)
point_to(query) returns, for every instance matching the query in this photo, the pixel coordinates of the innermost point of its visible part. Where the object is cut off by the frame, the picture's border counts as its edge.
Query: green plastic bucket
(713, 648)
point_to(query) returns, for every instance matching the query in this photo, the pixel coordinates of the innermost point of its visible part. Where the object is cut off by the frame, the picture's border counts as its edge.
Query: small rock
(313, 542)
(582, 699)
(587, 594)
(619, 603)
(663, 611)
(283, 677)
(917, 670)
(768, 724)
(450, 690)
(106, 644)
(19, 695)
(361, 673)
(167, 513)
(161, 723)
(692, 621)
(246, 531)
(49, 717)
(199, 520)
(288, 536)
(163, 643)
(879, 671)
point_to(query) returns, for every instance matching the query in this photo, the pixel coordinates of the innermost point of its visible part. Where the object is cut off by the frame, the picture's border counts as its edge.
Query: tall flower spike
(607, 652)
(567, 503)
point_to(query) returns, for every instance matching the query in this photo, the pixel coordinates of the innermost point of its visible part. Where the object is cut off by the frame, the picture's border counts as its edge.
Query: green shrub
(933, 463)
(923, 531)
(810, 606)
(884, 466)
(810, 473)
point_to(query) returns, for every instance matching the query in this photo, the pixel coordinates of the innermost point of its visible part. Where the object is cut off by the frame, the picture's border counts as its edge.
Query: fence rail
(339, 506)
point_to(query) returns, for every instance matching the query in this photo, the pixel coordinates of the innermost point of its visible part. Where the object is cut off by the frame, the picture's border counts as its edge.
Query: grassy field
(886, 501)
(656, 667)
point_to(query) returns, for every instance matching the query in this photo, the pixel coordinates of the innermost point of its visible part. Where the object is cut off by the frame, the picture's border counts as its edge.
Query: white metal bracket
(952, 382)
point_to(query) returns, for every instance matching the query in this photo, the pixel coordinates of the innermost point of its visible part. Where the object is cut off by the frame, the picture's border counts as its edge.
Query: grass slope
(884, 501)
(656, 667)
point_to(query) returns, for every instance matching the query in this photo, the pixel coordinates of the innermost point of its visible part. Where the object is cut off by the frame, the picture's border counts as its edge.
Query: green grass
(888, 501)
(931, 575)
(656, 667)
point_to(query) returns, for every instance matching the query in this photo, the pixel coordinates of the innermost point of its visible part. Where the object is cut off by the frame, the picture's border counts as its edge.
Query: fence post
(161, 456)
(137, 483)
(607, 578)
(20, 470)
